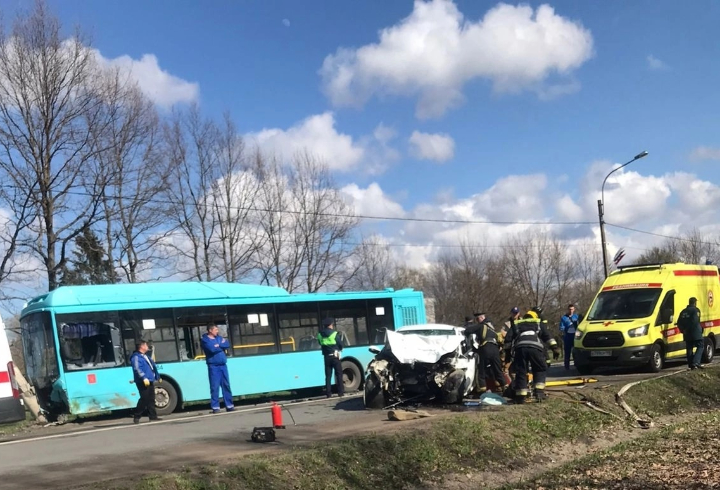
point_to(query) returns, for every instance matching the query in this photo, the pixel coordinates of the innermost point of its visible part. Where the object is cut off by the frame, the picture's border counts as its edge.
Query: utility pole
(601, 214)
(601, 208)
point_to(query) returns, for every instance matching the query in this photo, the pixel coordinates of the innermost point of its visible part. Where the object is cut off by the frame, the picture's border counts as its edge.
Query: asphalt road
(114, 447)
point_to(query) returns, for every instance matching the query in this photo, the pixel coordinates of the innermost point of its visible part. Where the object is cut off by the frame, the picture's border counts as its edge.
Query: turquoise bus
(78, 339)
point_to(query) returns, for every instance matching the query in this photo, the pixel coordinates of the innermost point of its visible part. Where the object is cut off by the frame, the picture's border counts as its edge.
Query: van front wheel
(657, 359)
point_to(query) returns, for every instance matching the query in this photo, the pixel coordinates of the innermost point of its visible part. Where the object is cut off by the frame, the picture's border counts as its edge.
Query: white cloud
(379, 152)
(655, 63)
(513, 198)
(163, 88)
(372, 201)
(705, 153)
(568, 210)
(316, 134)
(426, 146)
(435, 51)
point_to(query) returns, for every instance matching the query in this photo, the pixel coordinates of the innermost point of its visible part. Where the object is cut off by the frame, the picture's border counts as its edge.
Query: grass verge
(447, 445)
(679, 456)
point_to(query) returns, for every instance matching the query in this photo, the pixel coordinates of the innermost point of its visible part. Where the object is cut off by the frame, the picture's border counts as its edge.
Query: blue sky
(639, 75)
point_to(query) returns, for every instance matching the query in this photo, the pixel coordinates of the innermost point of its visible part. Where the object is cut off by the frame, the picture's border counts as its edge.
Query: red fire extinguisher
(276, 411)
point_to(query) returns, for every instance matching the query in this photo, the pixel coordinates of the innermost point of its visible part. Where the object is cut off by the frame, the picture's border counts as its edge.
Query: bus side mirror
(374, 350)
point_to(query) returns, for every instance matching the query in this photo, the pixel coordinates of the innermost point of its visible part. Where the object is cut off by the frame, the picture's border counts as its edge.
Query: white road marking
(167, 421)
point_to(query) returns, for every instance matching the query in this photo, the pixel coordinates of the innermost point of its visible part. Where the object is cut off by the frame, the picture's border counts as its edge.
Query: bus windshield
(624, 304)
(39, 349)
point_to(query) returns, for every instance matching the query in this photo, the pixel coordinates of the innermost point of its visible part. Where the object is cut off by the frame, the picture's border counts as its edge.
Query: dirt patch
(680, 456)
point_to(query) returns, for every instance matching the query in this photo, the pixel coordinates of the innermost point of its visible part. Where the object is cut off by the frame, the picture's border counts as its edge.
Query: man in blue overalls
(146, 375)
(331, 346)
(568, 326)
(213, 345)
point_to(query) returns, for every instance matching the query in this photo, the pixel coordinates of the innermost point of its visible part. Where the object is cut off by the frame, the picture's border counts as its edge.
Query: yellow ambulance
(631, 321)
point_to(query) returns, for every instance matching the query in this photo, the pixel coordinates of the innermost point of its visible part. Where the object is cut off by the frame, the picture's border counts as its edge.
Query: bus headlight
(639, 331)
(578, 334)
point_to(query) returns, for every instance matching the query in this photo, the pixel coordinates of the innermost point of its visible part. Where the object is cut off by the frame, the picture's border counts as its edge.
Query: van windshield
(624, 304)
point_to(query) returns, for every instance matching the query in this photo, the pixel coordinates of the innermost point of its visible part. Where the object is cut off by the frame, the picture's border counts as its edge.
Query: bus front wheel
(166, 398)
(351, 376)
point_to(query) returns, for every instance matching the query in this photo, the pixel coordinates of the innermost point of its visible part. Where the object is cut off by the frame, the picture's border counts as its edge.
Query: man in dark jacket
(689, 324)
(489, 352)
(146, 375)
(526, 344)
(331, 346)
(213, 345)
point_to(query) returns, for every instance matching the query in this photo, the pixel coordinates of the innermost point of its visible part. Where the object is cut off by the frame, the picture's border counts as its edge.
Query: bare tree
(375, 265)
(465, 281)
(48, 102)
(234, 197)
(190, 146)
(135, 174)
(324, 224)
(588, 275)
(539, 269)
(279, 259)
(306, 227)
(697, 248)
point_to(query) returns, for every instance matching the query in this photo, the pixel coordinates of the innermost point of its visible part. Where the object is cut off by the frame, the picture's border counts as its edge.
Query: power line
(669, 237)
(344, 215)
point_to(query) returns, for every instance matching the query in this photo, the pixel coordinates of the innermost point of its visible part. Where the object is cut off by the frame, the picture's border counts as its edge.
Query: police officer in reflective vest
(527, 342)
(331, 346)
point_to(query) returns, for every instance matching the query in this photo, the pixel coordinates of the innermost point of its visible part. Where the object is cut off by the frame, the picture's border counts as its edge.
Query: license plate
(600, 353)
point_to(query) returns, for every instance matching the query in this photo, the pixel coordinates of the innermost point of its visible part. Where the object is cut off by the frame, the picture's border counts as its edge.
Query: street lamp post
(601, 208)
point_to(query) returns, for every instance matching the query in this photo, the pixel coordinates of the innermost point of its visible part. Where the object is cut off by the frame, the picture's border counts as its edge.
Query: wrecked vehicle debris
(420, 363)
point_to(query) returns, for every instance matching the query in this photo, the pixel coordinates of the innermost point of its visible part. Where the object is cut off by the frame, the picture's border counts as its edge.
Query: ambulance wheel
(351, 376)
(708, 350)
(657, 359)
(166, 398)
(373, 395)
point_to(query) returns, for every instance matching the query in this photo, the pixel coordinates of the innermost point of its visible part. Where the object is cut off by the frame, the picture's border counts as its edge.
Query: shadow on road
(350, 405)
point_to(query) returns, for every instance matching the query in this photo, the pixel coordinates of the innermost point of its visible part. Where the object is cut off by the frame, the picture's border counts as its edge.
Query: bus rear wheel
(351, 376)
(166, 398)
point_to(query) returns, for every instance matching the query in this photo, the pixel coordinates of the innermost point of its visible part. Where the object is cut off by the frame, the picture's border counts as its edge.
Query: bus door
(192, 324)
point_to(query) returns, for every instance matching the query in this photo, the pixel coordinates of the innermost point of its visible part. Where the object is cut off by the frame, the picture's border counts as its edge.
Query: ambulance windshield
(624, 304)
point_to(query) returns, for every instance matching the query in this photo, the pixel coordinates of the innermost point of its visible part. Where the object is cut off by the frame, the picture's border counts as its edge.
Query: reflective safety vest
(328, 344)
(327, 341)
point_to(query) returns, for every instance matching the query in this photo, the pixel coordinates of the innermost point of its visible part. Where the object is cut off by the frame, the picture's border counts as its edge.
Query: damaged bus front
(41, 361)
(421, 363)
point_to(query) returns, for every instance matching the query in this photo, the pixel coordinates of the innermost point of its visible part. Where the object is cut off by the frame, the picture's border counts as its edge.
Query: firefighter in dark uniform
(526, 341)
(485, 344)
(491, 353)
(331, 346)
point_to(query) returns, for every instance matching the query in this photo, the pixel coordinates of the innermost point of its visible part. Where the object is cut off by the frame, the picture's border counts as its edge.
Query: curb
(642, 423)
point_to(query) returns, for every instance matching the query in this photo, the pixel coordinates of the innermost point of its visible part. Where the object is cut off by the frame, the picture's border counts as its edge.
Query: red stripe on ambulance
(690, 272)
(634, 286)
(4, 377)
(670, 332)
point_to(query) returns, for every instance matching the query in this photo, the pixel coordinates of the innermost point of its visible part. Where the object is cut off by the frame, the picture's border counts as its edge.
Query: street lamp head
(640, 155)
